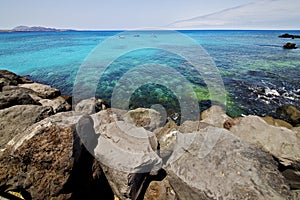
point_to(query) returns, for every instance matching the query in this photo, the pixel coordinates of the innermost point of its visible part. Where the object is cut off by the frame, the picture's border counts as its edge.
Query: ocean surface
(258, 74)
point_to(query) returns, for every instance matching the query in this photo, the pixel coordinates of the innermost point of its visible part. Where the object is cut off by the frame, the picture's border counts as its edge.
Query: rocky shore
(50, 151)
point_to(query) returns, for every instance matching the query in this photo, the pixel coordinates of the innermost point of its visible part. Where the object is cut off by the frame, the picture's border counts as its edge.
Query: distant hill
(37, 29)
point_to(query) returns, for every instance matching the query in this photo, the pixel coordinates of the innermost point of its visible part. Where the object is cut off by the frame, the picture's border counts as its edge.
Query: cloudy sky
(131, 14)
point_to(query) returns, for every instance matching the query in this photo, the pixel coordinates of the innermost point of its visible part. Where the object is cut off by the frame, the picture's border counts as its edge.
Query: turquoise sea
(258, 74)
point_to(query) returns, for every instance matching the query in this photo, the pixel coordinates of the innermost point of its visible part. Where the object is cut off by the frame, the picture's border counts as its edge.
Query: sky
(108, 14)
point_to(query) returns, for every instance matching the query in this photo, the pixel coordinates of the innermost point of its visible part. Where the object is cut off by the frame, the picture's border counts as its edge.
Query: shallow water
(258, 74)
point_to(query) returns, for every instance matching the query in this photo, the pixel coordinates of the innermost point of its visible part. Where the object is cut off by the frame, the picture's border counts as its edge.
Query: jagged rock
(290, 46)
(49, 161)
(215, 115)
(43, 91)
(17, 119)
(90, 106)
(59, 104)
(281, 142)
(277, 122)
(15, 97)
(192, 126)
(289, 113)
(293, 178)
(215, 164)
(127, 156)
(160, 190)
(9, 78)
(150, 119)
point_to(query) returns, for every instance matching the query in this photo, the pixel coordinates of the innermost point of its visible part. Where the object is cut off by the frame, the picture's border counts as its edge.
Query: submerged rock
(290, 46)
(231, 169)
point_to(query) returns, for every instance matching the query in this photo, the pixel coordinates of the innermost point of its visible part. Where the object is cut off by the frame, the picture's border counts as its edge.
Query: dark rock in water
(230, 169)
(15, 97)
(50, 162)
(289, 113)
(290, 46)
(286, 35)
(17, 119)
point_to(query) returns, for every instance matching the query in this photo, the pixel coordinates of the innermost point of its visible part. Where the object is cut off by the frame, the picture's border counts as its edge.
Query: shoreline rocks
(51, 152)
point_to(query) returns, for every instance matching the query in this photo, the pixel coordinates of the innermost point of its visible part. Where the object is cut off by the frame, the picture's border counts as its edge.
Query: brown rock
(15, 97)
(50, 162)
(215, 115)
(160, 190)
(277, 122)
(289, 113)
(17, 119)
(43, 91)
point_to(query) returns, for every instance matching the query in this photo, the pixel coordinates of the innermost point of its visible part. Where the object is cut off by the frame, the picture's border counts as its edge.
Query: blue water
(258, 74)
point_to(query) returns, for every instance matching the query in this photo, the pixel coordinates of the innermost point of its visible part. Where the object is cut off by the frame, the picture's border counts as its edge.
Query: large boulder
(43, 91)
(214, 164)
(127, 154)
(49, 161)
(17, 119)
(150, 119)
(280, 142)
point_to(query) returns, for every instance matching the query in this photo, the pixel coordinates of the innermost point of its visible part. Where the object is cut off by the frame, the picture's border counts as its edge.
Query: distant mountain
(260, 14)
(36, 29)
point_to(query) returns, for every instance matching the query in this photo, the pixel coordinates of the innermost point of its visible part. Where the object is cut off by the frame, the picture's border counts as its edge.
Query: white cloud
(261, 14)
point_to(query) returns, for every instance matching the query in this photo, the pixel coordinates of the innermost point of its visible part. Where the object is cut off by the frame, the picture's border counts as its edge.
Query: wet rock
(90, 106)
(214, 164)
(289, 113)
(59, 104)
(43, 91)
(143, 117)
(290, 46)
(127, 157)
(215, 115)
(17, 119)
(280, 142)
(15, 97)
(286, 35)
(277, 122)
(50, 162)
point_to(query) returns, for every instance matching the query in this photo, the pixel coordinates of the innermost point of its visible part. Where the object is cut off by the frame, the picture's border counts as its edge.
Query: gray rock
(15, 97)
(17, 119)
(215, 115)
(215, 164)
(127, 157)
(43, 91)
(9, 78)
(278, 141)
(59, 104)
(90, 106)
(143, 117)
